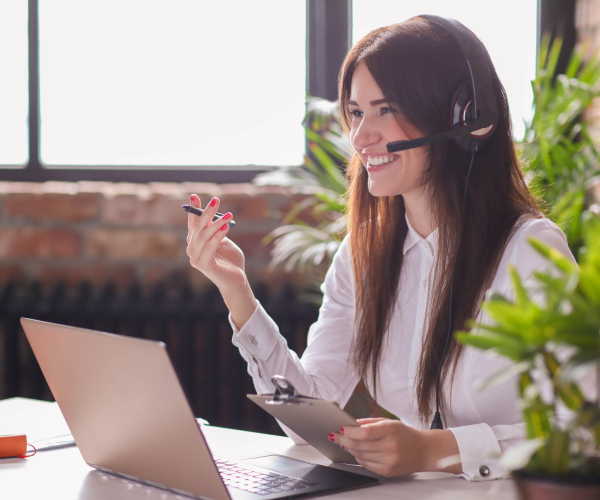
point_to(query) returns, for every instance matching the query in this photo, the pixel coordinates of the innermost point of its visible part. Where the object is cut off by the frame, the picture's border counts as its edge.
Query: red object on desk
(13, 446)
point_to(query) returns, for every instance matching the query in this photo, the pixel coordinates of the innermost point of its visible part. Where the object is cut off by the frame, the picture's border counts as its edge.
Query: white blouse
(485, 423)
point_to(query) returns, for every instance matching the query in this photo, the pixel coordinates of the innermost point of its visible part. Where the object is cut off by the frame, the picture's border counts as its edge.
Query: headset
(474, 112)
(473, 120)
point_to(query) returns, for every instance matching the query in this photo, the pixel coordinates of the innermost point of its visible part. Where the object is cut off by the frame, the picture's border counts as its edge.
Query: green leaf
(504, 375)
(505, 345)
(570, 394)
(522, 298)
(556, 257)
(335, 178)
(517, 457)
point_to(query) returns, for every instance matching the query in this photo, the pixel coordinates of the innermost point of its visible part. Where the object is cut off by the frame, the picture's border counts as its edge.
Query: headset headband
(478, 69)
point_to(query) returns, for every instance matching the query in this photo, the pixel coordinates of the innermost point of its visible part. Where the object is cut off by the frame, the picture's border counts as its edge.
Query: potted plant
(556, 339)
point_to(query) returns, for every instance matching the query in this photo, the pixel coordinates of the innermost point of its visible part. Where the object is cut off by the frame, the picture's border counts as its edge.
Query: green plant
(301, 242)
(562, 157)
(538, 336)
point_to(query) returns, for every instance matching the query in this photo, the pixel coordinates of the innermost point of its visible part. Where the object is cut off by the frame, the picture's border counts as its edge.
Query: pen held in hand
(199, 211)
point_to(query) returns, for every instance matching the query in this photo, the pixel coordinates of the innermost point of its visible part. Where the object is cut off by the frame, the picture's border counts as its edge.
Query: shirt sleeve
(481, 445)
(324, 371)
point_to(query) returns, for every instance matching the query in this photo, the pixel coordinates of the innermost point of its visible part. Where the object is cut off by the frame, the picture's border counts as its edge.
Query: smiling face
(375, 122)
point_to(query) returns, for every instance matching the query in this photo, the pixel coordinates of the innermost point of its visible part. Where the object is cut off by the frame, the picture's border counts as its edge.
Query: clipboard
(312, 419)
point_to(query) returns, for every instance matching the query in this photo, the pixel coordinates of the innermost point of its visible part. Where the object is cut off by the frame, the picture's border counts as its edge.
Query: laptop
(129, 416)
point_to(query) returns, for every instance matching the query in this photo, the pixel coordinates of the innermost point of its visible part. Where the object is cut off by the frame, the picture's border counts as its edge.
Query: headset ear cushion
(461, 114)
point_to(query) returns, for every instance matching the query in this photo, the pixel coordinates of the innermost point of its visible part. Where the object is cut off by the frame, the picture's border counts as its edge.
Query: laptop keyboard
(261, 483)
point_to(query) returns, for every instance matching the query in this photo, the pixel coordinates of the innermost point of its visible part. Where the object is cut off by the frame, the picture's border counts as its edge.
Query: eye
(355, 113)
(386, 110)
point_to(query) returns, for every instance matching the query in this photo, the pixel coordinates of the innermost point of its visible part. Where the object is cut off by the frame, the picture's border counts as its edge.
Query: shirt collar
(412, 238)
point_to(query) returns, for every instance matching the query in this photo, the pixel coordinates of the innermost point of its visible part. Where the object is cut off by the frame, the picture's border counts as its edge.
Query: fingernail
(225, 226)
(213, 202)
(227, 215)
(343, 447)
(331, 437)
(192, 200)
(342, 430)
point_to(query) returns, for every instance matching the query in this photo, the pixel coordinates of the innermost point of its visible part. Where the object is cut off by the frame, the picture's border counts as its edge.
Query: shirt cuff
(259, 336)
(479, 452)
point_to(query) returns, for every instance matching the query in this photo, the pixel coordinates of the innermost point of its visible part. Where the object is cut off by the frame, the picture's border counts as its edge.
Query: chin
(378, 190)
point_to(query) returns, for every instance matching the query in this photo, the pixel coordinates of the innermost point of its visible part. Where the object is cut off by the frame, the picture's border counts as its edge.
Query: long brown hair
(418, 66)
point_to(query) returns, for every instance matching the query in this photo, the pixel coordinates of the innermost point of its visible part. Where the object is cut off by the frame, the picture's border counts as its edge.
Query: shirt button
(253, 340)
(484, 471)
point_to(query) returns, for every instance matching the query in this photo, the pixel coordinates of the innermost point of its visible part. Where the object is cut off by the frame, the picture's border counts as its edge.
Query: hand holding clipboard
(311, 418)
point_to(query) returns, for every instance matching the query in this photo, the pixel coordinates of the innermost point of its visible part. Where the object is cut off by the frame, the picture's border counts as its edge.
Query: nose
(365, 135)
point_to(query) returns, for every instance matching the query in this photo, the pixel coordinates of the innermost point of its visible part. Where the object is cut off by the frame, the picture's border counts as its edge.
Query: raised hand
(210, 251)
(219, 259)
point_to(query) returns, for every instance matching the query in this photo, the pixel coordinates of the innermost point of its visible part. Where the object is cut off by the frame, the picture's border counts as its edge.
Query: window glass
(14, 103)
(172, 82)
(508, 29)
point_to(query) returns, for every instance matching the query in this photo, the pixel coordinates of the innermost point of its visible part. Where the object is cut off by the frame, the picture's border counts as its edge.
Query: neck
(419, 213)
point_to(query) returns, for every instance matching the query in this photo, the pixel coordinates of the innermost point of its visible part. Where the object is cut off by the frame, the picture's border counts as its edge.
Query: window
(172, 83)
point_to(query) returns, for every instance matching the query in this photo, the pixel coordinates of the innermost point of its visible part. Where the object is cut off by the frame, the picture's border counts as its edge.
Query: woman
(385, 313)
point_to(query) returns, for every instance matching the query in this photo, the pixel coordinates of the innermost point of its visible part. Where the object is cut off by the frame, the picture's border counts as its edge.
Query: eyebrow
(373, 103)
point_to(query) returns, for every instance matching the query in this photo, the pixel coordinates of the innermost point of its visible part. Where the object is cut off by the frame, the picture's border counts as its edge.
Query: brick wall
(98, 231)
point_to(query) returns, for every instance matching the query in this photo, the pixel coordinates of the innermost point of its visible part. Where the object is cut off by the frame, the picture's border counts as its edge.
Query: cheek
(400, 131)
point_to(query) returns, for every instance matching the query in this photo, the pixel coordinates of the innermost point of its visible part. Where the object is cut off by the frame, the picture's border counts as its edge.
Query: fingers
(369, 429)
(372, 435)
(378, 456)
(209, 211)
(194, 202)
(220, 230)
(353, 445)
(363, 421)
(204, 241)
(201, 220)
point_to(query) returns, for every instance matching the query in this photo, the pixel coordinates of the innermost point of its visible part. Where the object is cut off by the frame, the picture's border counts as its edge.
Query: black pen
(199, 211)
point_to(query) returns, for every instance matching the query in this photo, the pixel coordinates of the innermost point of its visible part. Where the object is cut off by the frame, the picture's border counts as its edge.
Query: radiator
(194, 327)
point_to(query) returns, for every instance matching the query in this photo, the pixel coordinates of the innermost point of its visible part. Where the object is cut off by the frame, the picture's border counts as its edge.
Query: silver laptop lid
(125, 407)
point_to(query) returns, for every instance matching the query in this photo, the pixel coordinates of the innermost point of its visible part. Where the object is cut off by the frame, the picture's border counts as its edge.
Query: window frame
(329, 37)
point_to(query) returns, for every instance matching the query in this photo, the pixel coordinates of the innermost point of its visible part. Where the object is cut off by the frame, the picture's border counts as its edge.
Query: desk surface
(63, 474)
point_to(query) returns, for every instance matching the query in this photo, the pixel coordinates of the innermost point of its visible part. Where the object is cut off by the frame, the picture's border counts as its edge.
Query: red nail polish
(343, 447)
(192, 200)
(225, 226)
(331, 437)
(342, 431)
(227, 215)
(213, 202)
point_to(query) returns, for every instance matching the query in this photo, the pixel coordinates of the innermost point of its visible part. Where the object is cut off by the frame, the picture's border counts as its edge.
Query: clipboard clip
(285, 393)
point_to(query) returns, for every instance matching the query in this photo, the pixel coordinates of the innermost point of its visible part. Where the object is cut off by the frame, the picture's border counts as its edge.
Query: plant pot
(546, 487)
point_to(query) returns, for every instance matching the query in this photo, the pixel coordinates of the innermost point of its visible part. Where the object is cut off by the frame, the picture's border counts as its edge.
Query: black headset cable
(437, 419)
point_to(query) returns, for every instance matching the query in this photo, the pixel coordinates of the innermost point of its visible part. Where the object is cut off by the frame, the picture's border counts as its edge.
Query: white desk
(63, 474)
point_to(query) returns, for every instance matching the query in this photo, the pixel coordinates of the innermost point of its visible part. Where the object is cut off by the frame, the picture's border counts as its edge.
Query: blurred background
(112, 113)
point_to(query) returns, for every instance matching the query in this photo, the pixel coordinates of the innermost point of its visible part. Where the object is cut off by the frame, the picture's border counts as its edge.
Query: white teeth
(381, 160)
